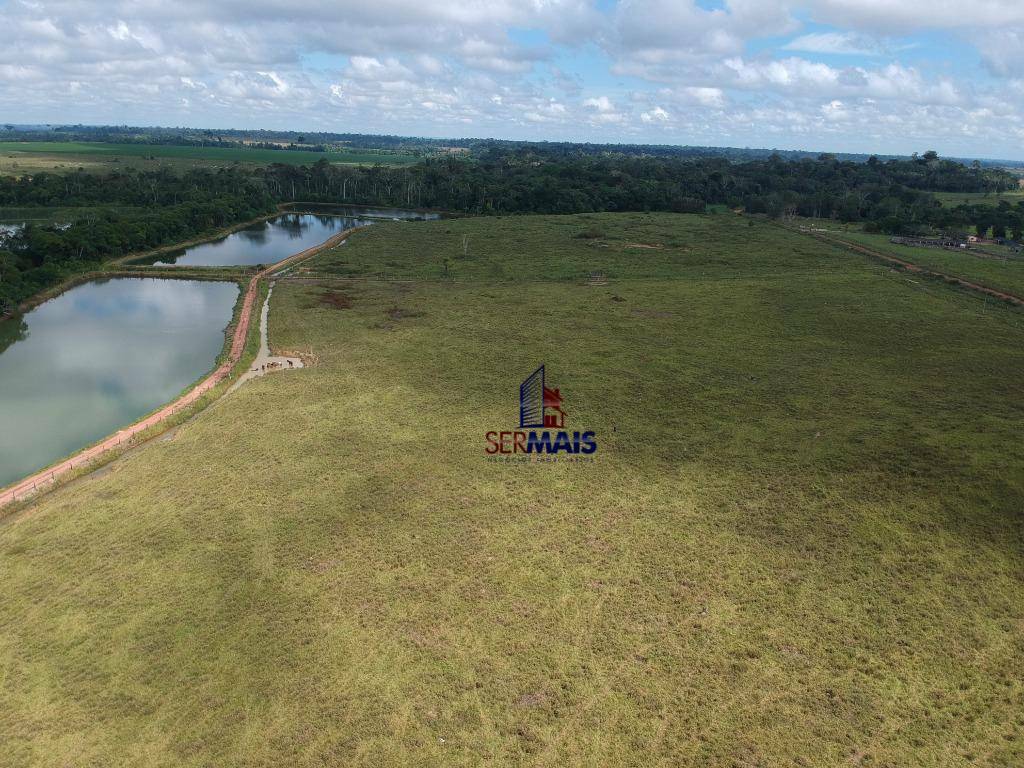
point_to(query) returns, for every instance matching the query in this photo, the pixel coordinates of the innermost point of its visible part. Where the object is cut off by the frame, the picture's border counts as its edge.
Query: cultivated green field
(799, 542)
(1006, 273)
(952, 199)
(34, 156)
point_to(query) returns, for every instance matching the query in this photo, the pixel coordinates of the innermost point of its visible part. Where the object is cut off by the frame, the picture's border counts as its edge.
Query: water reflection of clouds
(173, 301)
(267, 242)
(100, 356)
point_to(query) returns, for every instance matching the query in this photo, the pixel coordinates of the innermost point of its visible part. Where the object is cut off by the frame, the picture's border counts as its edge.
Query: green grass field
(627, 246)
(34, 156)
(799, 542)
(1006, 273)
(953, 199)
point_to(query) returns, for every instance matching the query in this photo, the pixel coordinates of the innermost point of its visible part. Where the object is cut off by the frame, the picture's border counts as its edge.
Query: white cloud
(809, 78)
(707, 97)
(600, 103)
(844, 43)
(682, 69)
(372, 69)
(1002, 50)
(601, 111)
(835, 111)
(658, 39)
(255, 86)
(657, 114)
(890, 15)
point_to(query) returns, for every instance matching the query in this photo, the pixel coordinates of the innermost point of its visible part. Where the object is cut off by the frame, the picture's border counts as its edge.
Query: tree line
(892, 195)
(134, 210)
(126, 212)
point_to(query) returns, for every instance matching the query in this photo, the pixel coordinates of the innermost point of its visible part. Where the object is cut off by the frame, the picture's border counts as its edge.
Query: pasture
(797, 544)
(953, 199)
(982, 266)
(17, 158)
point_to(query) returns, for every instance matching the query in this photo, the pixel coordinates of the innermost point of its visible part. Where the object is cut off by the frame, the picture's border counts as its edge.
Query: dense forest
(136, 210)
(531, 181)
(128, 212)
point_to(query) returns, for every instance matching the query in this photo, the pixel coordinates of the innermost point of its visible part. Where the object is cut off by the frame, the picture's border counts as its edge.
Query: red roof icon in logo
(554, 416)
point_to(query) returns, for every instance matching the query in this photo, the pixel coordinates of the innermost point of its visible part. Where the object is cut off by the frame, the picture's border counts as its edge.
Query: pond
(97, 358)
(366, 212)
(268, 242)
(265, 242)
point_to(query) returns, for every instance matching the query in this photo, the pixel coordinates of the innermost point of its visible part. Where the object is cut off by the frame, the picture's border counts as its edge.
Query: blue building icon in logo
(540, 406)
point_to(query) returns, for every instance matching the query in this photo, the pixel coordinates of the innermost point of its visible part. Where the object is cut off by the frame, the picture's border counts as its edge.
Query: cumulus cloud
(835, 111)
(658, 39)
(655, 115)
(1002, 50)
(843, 43)
(708, 97)
(905, 15)
(601, 110)
(740, 71)
(372, 69)
(600, 103)
(810, 78)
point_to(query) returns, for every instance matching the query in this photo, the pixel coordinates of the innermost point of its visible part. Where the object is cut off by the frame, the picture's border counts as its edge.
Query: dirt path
(265, 362)
(916, 268)
(49, 476)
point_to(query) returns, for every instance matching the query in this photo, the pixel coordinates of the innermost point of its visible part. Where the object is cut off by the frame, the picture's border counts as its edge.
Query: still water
(264, 243)
(97, 358)
(364, 212)
(270, 241)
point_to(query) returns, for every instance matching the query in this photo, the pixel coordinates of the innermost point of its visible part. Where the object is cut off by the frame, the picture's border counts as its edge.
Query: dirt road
(266, 362)
(47, 477)
(911, 267)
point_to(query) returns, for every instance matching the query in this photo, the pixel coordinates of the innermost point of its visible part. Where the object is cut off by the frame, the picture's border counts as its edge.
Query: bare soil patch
(334, 300)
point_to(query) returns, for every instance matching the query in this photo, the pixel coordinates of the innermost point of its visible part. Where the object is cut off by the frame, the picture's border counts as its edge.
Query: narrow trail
(265, 362)
(48, 477)
(909, 266)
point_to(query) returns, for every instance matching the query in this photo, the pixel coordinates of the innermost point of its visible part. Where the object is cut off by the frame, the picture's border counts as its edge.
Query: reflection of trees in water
(163, 260)
(349, 213)
(258, 234)
(298, 225)
(293, 225)
(330, 222)
(11, 331)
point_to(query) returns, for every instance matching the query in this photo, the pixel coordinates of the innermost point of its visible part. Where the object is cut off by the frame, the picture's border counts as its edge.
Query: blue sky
(839, 75)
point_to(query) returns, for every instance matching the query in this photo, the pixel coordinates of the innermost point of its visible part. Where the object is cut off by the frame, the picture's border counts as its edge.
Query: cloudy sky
(890, 76)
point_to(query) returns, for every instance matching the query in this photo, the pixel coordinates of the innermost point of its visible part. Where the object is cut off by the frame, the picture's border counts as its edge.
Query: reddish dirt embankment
(42, 479)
